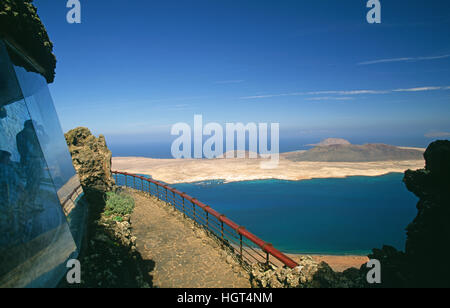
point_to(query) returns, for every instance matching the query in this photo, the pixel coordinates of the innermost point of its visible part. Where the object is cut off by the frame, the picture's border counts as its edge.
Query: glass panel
(31, 220)
(54, 146)
(49, 132)
(35, 240)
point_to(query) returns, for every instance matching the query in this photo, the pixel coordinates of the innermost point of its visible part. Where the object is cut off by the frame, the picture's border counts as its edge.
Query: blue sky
(133, 68)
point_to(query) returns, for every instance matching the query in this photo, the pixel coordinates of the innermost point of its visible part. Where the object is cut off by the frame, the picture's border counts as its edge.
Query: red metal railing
(246, 246)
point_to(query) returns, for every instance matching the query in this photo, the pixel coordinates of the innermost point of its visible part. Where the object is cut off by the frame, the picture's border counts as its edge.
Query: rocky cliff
(423, 264)
(428, 242)
(92, 161)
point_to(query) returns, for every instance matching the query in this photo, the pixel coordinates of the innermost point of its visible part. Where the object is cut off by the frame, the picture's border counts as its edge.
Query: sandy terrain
(341, 263)
(232, 170)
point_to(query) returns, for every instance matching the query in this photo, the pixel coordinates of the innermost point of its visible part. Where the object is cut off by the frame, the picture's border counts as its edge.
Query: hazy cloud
(352, 92)
(403, 60)
(327, 98)
(421, 89)
(349, 92)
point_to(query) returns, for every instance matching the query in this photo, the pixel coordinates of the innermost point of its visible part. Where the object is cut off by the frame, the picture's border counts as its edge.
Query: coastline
(175, 171)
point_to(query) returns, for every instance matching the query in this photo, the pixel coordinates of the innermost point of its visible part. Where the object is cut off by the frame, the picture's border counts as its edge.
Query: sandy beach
(174, 171)
(339, 263)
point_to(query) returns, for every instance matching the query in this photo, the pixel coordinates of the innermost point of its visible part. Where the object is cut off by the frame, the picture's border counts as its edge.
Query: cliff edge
(428, 235)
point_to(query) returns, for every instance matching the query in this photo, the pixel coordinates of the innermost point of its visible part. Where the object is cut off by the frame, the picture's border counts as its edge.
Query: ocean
(320, 216)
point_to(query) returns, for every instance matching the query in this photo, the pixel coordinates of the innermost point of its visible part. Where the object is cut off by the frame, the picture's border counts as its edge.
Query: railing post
(221, 224)
(207, 219)
(157, 191)
(167, 200)
(173, 198)
(142, 185)
(184, 210)
(267, 259)
(134, 182)
(240, 244)
(193, 210)
(126, 180)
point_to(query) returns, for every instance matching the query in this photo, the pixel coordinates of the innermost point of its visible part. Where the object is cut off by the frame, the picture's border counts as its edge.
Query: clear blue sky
(134, 68)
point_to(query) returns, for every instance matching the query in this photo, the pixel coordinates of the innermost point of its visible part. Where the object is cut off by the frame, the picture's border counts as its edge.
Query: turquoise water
(323, 216)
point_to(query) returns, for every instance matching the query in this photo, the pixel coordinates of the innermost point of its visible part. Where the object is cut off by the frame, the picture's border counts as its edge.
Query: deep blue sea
(322, 216)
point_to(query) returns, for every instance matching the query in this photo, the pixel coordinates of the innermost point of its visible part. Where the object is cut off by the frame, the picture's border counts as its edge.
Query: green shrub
(118, 203)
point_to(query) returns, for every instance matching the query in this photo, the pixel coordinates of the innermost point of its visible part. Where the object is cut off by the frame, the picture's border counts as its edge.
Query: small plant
(118, 218)
(118, 204)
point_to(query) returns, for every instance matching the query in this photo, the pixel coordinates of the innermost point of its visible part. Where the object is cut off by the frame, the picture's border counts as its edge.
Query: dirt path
(184, 257)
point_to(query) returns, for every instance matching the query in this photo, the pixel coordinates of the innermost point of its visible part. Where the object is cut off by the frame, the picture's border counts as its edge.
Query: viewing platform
(247, 247)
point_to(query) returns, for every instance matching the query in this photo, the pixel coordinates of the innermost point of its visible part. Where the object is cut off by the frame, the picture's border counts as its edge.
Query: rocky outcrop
(428, 240)
(21, 26)
(308, 274)
(91, 159)
(423, 264)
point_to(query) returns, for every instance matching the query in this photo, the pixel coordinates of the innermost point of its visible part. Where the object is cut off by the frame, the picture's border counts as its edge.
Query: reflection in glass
(39, 188)
(32, 164)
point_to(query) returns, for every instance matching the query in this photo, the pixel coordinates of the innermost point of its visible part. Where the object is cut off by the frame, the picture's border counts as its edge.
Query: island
(323, 161)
